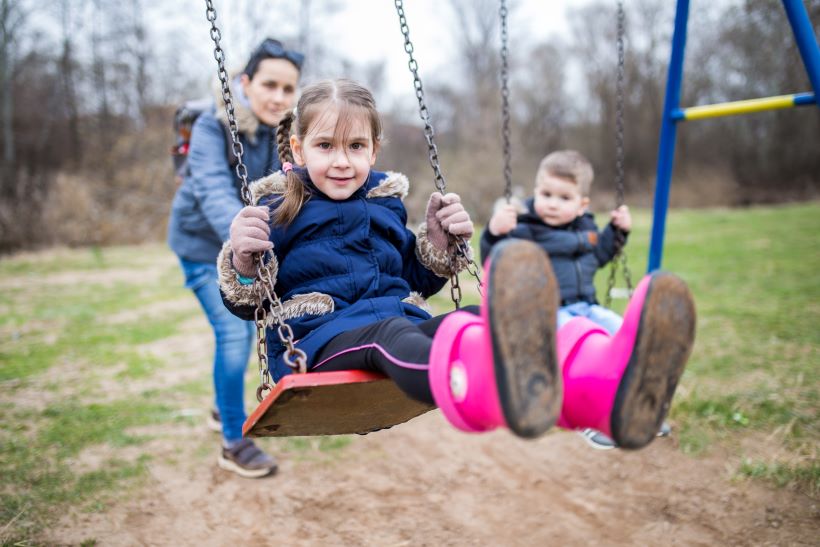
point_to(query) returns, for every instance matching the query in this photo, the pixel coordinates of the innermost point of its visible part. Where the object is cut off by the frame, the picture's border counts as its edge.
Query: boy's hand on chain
(446, 214)
(504, 220)
(621, 219)
(250, 233)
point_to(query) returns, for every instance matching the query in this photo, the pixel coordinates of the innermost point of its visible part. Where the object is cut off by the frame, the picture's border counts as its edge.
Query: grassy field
(92, 372)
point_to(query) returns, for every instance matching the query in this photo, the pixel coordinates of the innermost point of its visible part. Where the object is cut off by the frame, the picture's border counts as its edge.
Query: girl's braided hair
(295, 193)
(352, 100)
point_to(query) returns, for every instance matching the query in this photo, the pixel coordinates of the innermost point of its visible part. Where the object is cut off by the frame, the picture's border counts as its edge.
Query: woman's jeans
(600, 315)
(233, 346)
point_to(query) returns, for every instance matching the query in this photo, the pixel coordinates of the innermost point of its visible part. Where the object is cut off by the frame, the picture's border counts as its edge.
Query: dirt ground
(423, 483)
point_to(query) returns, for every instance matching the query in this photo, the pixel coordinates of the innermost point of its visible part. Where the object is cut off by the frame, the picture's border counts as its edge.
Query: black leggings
(395, 347)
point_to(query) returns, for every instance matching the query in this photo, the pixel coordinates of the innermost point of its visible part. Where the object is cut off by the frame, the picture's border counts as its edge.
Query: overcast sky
(365, 31)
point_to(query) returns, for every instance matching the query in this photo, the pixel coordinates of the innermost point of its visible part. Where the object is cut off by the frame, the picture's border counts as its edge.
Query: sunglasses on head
(275, 49)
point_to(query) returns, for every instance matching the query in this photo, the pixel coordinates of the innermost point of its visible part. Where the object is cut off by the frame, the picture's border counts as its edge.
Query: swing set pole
(672, 113)
(669, 127)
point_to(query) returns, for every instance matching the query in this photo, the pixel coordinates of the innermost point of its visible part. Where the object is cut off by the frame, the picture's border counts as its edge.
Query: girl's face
(272, 91)
(558, 201)
(338, 164)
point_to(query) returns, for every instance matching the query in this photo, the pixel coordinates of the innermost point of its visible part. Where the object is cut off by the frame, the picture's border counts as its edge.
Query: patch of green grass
(755, 274)
(89, 341)
(71, 427)
(37, 451)
(783, 475)
(58, 260)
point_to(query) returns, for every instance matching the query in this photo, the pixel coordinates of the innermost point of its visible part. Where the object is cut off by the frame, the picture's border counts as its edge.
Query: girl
(353, 280)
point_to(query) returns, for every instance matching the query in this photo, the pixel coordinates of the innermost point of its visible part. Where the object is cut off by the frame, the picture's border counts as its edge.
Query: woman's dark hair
(272, 49)
(352, 100)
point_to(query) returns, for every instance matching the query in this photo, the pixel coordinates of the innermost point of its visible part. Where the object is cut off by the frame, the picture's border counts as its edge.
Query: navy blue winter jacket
(577, 250)
(208, 198)
(341, 264)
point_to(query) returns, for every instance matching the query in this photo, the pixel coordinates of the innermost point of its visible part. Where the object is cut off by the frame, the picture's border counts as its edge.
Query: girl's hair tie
(287, 166)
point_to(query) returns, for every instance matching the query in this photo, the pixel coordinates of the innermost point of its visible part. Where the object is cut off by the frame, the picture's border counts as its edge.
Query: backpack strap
(232, 159)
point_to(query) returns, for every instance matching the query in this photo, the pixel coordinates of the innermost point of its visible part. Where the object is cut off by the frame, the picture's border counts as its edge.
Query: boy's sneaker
(596, 439)
(247, 460)
(214, 421)
(599, 441)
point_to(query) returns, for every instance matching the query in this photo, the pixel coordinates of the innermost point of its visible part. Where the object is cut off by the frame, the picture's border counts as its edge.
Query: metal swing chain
(505, 103)
(456, 243)
(263, 284)
(620, 255)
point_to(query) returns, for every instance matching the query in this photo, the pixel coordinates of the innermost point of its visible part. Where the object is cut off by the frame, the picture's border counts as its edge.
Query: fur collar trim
(270, 185)
(394, 185)
(246, 120)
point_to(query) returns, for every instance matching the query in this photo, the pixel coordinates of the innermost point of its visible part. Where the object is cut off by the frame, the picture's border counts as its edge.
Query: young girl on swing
(353, 278)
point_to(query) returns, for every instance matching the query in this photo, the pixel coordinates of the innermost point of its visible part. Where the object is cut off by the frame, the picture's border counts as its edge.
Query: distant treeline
(85, 137)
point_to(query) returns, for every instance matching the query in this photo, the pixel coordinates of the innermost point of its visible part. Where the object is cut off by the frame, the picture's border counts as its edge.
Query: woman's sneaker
(214, 421)
(247, 460)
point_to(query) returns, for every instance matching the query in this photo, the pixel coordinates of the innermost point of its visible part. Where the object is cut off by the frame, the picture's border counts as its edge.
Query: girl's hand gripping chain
(446, 214)
(250, 233)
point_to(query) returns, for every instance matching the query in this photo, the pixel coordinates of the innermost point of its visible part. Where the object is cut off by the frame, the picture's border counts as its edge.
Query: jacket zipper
(577, 276)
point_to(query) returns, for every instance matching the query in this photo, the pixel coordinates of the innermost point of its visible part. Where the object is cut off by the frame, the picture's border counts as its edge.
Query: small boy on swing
(352, 279)
(556, 218)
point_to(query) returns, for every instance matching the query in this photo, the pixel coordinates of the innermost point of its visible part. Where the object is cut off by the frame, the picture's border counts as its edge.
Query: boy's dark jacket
(577, 250)
(341, 264)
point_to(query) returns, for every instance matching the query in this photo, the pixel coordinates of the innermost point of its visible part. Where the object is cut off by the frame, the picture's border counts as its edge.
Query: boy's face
(558, 201)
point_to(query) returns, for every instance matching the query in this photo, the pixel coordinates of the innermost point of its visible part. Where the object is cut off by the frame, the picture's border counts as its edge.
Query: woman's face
(272, 91)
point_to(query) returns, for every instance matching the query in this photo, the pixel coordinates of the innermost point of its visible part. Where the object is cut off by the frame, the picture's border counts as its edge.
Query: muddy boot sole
(664, 341)
(522, 303)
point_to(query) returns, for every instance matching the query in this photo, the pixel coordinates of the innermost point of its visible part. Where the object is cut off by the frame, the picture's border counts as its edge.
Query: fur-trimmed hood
(393, 185)
(246, 120)
(342, 264)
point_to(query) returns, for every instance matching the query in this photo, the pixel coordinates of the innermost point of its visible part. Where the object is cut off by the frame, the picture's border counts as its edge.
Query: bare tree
(11, 21)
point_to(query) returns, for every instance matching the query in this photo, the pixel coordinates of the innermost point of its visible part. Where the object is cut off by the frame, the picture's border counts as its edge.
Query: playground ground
(104, 388)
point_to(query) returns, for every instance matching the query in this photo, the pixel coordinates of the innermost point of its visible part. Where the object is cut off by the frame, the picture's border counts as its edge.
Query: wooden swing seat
(331, 403)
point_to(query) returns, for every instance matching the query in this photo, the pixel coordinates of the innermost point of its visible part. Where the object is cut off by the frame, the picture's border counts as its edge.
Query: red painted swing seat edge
(331, 403)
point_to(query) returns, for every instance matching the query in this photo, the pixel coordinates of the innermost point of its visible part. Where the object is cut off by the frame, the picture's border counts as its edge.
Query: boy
(556, 218)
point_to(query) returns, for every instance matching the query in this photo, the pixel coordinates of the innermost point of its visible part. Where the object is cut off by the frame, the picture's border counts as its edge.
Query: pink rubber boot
(500, 368)
(622, 384)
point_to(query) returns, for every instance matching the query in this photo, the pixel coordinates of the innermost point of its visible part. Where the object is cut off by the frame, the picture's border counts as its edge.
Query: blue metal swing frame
(673, 113)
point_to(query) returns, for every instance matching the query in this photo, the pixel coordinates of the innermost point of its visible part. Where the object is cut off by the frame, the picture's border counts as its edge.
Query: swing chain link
(457, 245)
(429, 133)
(620, 255)
(505, 103)
(236, 146)
(263, 284)
(619, 111)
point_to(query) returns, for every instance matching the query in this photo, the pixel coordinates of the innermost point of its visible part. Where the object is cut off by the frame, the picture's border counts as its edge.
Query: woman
(201, 215)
